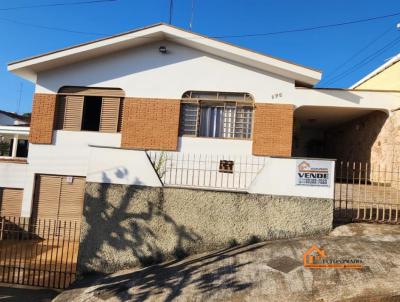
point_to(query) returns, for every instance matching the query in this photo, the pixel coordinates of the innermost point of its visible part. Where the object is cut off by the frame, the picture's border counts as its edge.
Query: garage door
(58, 197)
(10, 202)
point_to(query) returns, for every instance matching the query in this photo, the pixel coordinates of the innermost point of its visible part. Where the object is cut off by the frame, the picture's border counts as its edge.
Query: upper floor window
(216, 114)
(89, 109)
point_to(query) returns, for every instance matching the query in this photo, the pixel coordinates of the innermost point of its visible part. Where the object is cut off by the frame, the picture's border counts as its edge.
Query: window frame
(217, 99)
(84, 92)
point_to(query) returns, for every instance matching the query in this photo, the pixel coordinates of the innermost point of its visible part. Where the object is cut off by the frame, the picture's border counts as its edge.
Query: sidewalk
(268, 271)
(17, 293)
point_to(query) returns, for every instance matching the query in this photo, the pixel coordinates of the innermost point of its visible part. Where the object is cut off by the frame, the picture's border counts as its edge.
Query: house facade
(118, 109)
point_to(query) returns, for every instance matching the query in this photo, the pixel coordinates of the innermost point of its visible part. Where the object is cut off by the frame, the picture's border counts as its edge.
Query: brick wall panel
(150, 124)
(42, 121)
(273, 130)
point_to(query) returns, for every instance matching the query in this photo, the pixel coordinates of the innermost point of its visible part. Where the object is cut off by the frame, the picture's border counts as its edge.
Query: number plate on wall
(226, 166)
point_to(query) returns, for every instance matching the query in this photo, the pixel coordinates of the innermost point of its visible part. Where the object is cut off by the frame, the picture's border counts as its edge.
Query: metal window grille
(189, 119)
(213, 114)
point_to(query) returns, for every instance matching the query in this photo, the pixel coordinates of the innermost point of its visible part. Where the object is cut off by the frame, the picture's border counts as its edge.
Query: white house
(161, 100)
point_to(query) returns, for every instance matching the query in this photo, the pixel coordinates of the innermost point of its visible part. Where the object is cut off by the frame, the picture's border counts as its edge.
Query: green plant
(4, 148)
(253, 239)
(159, 164)
(233, 243)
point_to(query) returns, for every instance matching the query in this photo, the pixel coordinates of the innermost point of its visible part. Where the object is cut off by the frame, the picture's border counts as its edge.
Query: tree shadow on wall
(124, 231)
(116, 226)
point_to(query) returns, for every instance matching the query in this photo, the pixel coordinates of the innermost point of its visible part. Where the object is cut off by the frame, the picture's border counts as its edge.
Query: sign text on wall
(313, 173)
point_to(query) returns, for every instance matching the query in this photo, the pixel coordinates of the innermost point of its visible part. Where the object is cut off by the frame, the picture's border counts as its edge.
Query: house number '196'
(277, 95)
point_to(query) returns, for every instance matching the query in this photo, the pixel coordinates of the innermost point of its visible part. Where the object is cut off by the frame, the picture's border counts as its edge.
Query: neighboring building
(13, 119)
(385, 77)
(14, 130)
(98, 107)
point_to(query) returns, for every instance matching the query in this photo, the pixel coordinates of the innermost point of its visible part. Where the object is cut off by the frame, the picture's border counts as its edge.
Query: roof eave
(29, 67)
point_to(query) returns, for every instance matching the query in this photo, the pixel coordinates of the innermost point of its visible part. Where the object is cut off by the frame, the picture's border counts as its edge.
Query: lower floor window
(7, 148)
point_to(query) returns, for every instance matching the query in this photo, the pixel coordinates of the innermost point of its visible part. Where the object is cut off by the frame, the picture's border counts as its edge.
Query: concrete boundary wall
(125, 226)
(278, 177)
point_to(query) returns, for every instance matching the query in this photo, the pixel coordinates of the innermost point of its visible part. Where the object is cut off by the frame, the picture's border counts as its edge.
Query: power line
(56, 4)
(224, 36)
(52, 28)
(365, 61)
(310, 28)
(356, 54)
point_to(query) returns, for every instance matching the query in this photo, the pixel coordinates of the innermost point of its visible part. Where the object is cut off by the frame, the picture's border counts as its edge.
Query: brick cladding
(42, 120)
(151, 124)
(273, 130)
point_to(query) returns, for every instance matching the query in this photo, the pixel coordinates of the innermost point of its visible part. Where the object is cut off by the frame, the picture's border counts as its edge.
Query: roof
(16, 116)
(377, 71)
(29, 67)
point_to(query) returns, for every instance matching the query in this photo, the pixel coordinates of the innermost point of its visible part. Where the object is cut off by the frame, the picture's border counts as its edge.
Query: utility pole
(19, 97)
(171, 7)
(192, 16)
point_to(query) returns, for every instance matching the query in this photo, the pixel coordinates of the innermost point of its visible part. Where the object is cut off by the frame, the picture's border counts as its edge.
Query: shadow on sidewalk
(10, 293)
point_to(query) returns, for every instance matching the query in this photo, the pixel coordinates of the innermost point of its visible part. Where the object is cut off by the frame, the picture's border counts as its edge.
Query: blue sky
(324, 49)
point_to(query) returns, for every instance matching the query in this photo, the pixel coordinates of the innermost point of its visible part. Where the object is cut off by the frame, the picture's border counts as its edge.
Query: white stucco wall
(119, 166)
(13, 175)
(145, 72)
(346, 98)
(203, 145)
(72, 153)
(69, 153)
(278, 177)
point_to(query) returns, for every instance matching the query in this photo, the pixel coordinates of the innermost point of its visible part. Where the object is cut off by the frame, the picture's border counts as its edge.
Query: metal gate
(38, 252)
(367, 193)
